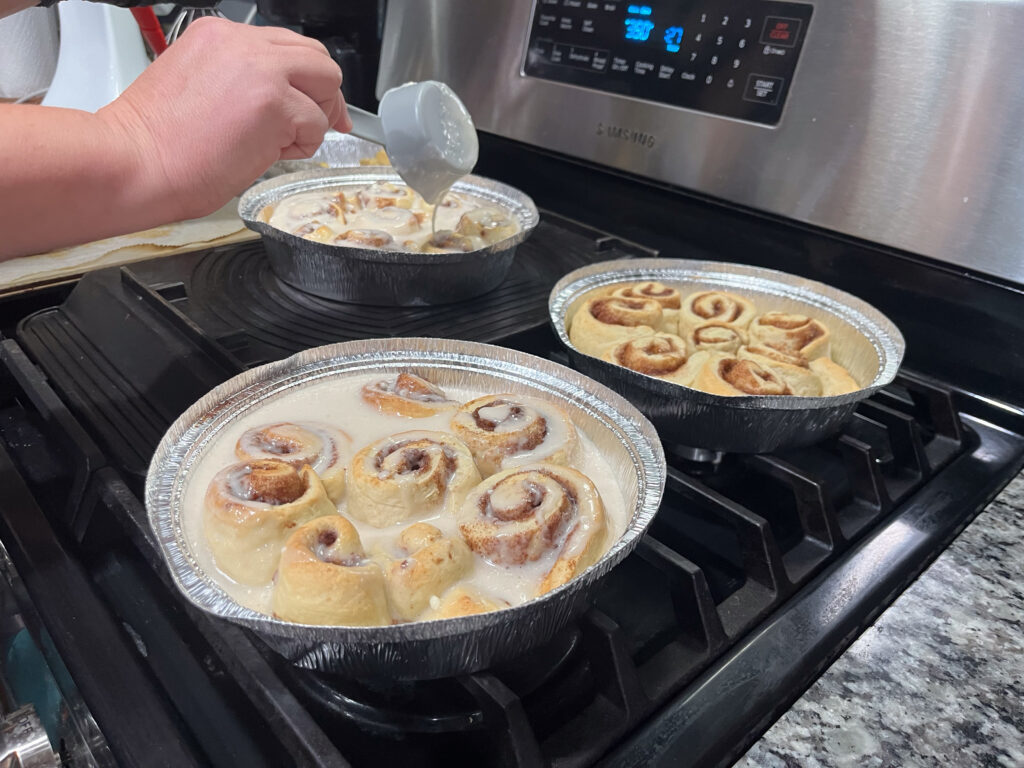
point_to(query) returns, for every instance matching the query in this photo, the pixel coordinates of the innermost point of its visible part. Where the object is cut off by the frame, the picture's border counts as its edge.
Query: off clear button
(763, 89)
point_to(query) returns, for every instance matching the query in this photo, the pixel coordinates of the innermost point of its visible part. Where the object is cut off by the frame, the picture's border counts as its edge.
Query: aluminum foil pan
(384, 278)
(864, 340)
(419, 650)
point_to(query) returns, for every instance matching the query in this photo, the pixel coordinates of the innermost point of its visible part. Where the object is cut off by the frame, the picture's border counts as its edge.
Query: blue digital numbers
(673, 38)
(640, 10)
(639, 29)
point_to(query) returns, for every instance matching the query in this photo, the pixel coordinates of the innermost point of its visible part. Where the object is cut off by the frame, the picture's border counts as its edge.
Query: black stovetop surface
(757, 571)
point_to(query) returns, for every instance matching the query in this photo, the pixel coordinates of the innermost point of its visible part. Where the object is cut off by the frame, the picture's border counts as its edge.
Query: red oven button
(780, 30)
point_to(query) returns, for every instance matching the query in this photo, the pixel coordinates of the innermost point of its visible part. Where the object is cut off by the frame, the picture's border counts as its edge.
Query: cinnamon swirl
(325, 449)
(714, 337)
(835, 380)
(723, 374)
(791, 334)
(521, 514)
(408, 395)
(431, 564)
(409, 475)
(720, 307)
(507, 430)
(669, 298)
(251, 508)
(325, 578)
(608, 320)
(385, 194)
(662, 355)
(793, 370)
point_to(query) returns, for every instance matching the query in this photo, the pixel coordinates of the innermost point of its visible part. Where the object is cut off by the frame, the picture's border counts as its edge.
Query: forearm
(69, 177)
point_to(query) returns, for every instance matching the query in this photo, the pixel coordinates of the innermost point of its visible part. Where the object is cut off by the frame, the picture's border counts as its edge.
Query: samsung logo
(640, 138)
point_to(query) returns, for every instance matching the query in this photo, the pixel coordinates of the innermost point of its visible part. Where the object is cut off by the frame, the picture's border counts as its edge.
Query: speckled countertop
(938, 679)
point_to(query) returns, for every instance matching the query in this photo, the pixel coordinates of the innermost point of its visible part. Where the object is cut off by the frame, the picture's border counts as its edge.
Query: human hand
(223, 104)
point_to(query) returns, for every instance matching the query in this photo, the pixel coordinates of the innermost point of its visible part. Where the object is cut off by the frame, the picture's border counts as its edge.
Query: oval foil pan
(418, 650)
(378, 277)
(864, 340)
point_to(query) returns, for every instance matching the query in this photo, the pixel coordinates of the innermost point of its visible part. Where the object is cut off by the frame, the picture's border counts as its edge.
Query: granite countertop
(938, 679)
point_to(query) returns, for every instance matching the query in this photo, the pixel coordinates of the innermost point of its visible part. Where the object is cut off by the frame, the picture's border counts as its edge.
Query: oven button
(600, 61)
(580, 57)
(642, 67)
(620, 64)
(665, 72)
(779, 30)
(763, 89)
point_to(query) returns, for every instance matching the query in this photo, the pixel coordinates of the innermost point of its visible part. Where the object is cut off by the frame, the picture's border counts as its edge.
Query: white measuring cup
(427, 132)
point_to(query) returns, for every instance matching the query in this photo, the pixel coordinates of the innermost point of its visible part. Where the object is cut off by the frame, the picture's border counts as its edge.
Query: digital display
(641, 26)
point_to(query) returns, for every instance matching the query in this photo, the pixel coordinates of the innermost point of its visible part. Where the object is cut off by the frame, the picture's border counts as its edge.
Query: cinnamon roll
(308, 207)
(394, 220)
(718, 307)
(521, 514)
(325, 578)
(408, 395)
(489, 224)
(461, 601)
(409, 475)
(662, 355)
(835, 380)
(446, 241)
(669, 298)
(608, 320)
(385, 194)
(507, 430)
(314, 230)
(365, 238)
(714, 337)
(251, 508)
(791, 334)
(792, 370)
(325, 449)
(432, 563)
(723, 374)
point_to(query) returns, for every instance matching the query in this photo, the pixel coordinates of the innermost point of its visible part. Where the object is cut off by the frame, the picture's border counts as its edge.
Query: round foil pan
(378, 277)
(864, 340)
(428, 649)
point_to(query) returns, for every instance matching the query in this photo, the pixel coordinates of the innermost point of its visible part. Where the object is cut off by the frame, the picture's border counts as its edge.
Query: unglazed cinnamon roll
(792, 370)
(409, 475)
(251, 508)
(325, 449)
(489, 224)
(408, 395)
(662, 355)
(669, 298)
(714, 337)
(325, 578)
(835, 380)
(459, 601)
(507, 430)
(791, 334)
(608, 320)
(519, 515)
(432, 564)
(719, 307)
(723, 374)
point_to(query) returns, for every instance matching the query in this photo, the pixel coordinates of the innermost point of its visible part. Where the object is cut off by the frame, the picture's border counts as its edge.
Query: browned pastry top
(615, 310)
(655, 356)
(717, 306)
(747, 376)
(270, 482)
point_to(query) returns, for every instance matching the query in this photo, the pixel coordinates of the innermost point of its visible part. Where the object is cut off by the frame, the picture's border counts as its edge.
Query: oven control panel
(734, 58)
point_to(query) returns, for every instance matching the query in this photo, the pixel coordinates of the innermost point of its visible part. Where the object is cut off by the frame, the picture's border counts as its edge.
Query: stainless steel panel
(904, 124)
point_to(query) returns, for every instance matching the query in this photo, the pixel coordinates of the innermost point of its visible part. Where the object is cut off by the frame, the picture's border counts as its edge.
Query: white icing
(337, 402)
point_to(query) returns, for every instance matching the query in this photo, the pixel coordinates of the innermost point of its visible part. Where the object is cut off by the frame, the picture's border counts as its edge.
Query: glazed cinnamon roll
(314, 230)
(408, 395)
(791, 334)
(608, 320)
(431, 564)
(489, 224)
(714, 337)
(461, 601)
(669, 298)
(397, 221)
(409, 475)
(385, 194)
(446, 241)
(522, 514)
(507, 430)
(792, 370)
(325, 449)
(835, 380)
(662, 355)
(723, 374)
(325, 578)
(307, 207)
(251, 508)
(720, 307)
(365, 238)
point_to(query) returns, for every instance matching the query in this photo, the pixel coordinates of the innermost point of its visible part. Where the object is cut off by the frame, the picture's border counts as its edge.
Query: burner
(395, 708)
